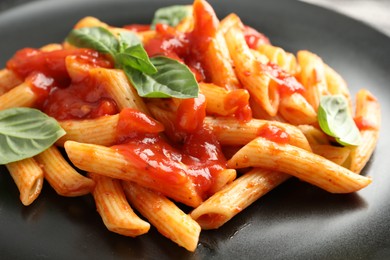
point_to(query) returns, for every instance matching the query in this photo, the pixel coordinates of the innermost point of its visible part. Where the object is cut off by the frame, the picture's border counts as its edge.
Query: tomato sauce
(254, 38)
(190, 114)
(190, 47)
(137, 27)
(287, 84)
(363, 123)
(58, 95)
(73, 94)
(239, 99)
(199, 157)
(274, 133)
(132, 122)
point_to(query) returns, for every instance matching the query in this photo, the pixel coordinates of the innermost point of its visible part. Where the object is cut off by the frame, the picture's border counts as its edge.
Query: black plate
(294, 221)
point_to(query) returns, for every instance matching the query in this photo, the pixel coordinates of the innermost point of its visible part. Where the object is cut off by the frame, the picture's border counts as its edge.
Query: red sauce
(204, 158)
(365, 124)
(287, 84)
(187, 47)
(132, 122)
(274, 133)
(200, 158)
(254, 38)
(205, 28)
(191, 113)
(58, 94)
(168, 42)
(239, 100)
(150, 153)
(176, 45)
(137, 27)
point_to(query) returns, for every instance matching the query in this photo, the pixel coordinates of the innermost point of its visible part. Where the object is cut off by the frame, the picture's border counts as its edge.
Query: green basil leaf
(336, 121)
(137, 58)
(128, 39)
(171, 15)
(26, 132)
(97, 38)
(173, 79)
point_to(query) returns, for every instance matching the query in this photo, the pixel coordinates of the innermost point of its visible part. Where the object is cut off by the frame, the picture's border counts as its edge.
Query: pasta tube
(114, 209)
(169, 220)
(295, 161)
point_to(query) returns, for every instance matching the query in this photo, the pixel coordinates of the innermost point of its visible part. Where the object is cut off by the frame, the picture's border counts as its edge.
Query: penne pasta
(115, 211)
(224, 178)
(302, 164)
(285, 60)
(224, 117)
(249, 72)
(235, 197)
(169, 220)
(313, 77)
(217, 58)
(296, 110)
(232, 132)
(8, 80)
(336, 84)
(20, 96)
(226, 102)
(28, 177)
(368, 118)
(100, 131)
(338, 155)
(119, 88)
(65, 180)
(314, 136)
(109, 162)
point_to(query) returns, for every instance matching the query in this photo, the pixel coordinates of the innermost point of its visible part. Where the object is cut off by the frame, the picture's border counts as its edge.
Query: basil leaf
(128, 39)
(171, 15)
(137, 58)
(173, 79)
(156, 77)
(97, 38)
(336, 121)
(26, 132)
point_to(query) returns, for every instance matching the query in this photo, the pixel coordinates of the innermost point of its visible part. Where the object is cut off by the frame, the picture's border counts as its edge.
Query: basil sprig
(26, 132)
(336, 121)
(171, 15)
(149, 76)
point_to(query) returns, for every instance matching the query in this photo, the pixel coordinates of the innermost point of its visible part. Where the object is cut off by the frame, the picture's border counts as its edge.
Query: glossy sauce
(274, 133)
(199, 157)
(239, 99)
(58, 94)
(190, 114)
(254, 38)
(75, 95)
(287, 84)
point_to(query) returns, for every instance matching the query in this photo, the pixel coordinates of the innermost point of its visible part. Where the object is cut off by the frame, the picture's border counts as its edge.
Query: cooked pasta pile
(189, 110)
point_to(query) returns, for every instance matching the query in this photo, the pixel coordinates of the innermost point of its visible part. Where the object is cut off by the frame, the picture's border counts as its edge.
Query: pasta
(189, 122)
